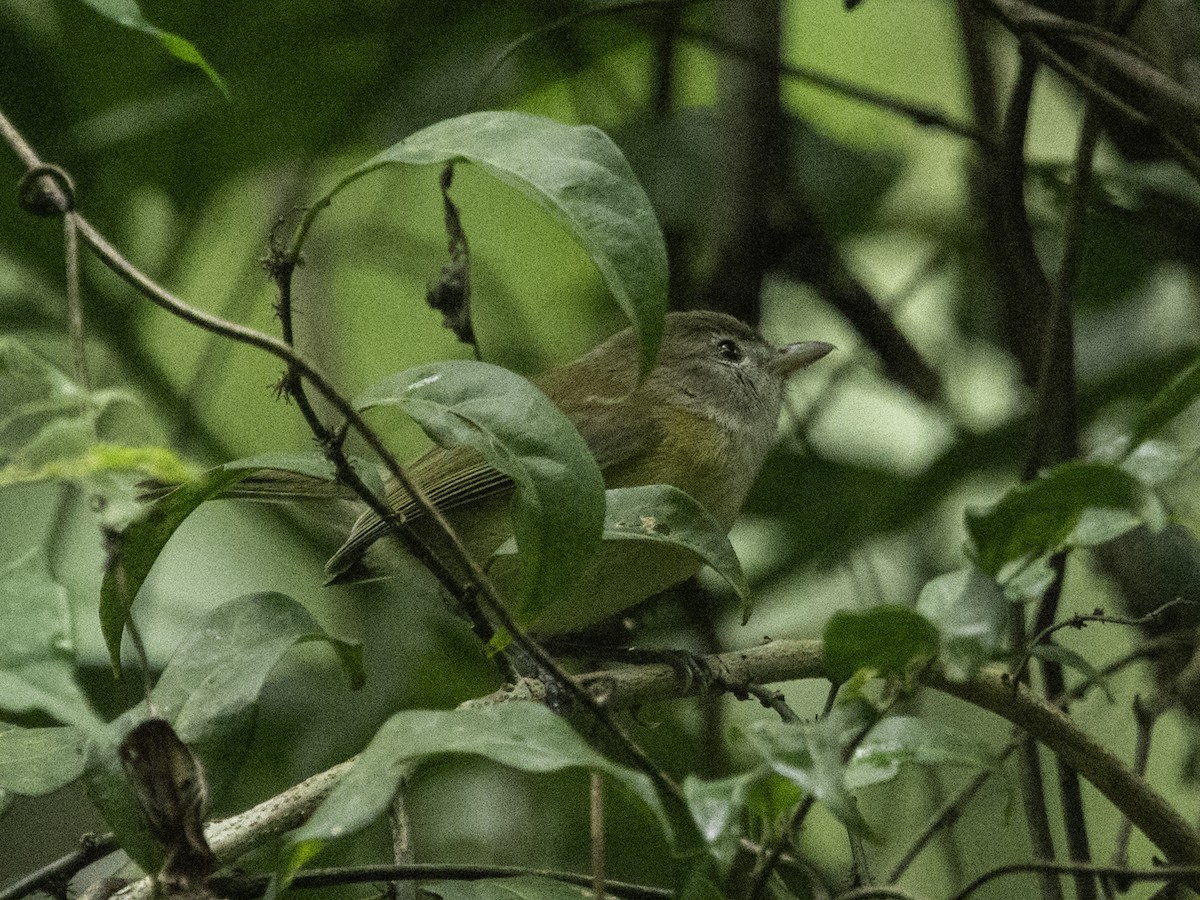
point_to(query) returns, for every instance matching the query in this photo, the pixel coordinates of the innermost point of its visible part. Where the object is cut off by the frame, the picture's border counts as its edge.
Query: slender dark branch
(1053, 438)
(947, 815)
(1145, 714)
(567, 21)
(282, 267)
(91, 848)
(244, 887)
(1027, 287)
(918, 113)
(878, 892)
(1092, 88)
(1081, 621)
(1025, 296)
(1115, 52)
(1162, 873)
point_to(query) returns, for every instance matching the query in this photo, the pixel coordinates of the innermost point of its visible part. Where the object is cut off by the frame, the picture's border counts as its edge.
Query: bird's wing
(456, 476)
(450, 476)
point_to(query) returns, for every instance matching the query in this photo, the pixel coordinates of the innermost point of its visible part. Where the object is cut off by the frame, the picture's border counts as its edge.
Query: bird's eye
(729, 350)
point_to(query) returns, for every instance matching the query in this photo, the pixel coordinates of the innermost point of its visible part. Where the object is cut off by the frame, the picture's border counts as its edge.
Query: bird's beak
(795, 357)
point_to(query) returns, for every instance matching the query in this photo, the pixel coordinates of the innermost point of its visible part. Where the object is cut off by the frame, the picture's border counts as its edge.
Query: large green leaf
(558, 508)
(654, 537)
(579, 177)
(970, 612)
(127, 13)
(1072, 504)
(1166, 405)
(719, 807)
(208, 691)
(40, 760)
(809, 755)
(890, 641)
(37, 654)
(141, 542)
(524, 736)
(662, 514)
(138, 546)
(211, 684)
(909, 740)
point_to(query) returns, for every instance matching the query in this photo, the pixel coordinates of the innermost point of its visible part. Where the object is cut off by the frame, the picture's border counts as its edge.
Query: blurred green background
(861, 504)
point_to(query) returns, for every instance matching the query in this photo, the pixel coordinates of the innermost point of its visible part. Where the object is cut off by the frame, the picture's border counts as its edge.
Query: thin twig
(245, 886)
(1162, 873)
(1145, 714)
(919, 114)
(567, 21)
(597, 835)
(75, 304)
(773, 700)
(402, 849)
(762, 872)
(1081, 620)
(62, 870)
(947, 815)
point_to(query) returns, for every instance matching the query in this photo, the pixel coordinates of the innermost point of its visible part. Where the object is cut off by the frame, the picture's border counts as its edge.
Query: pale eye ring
(729, 350)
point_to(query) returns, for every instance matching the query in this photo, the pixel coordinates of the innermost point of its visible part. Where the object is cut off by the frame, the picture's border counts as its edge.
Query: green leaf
(970, 611)
(655, 536)
(901, 740)
(662, 514)
(719, 807)
(1166, 405)
(889, 641)
(210, 687)
(138, 546)
(40, 760)
(143, 539)
(558, 508)
(101, 458)
(128, 14)
(37, 656)
(1157, 462)
(31, 385)
(208, 691)
(1064, 656)
(1073, 504)
(524, 736)
(809, 755)
(579, 177)
(524, 887)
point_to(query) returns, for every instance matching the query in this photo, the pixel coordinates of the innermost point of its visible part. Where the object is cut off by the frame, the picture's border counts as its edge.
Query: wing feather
(611, 424)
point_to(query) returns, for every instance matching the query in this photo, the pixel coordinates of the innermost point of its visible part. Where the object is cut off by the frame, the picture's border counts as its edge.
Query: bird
(702, 421)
